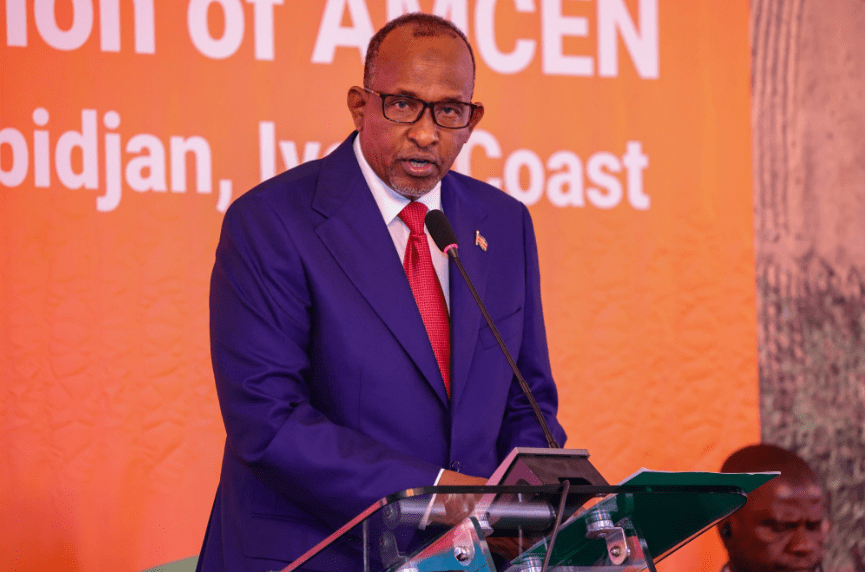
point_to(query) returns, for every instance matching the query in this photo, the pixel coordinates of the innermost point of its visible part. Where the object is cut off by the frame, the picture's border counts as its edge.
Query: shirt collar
(389, 202)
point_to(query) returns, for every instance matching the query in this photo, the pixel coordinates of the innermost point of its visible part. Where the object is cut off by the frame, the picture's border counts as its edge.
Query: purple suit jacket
(328, 386)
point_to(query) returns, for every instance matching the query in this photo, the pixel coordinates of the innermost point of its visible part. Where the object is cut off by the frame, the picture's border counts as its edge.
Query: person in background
(783, 525)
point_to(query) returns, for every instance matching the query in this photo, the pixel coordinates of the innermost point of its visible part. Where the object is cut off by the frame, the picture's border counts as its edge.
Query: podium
(550, 510)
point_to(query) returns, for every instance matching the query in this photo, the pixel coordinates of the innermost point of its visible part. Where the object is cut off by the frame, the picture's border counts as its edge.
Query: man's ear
(476, 117)
(357, 105)
(726, 530)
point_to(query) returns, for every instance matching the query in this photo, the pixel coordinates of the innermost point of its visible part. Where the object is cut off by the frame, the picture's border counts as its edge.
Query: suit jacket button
(455, 466)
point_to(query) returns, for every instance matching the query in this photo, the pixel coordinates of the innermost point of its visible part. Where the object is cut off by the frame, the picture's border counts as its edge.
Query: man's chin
(773, 567)
(412, 189)
(811, 568)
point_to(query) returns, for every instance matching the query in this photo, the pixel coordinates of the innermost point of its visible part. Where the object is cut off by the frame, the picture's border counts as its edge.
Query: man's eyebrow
(410, 93)
(407, 92)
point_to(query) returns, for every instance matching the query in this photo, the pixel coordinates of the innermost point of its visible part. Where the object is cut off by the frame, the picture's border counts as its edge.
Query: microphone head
(441, 230)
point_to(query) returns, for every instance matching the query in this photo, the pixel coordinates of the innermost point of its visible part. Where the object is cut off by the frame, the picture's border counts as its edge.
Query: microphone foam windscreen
(440, 229)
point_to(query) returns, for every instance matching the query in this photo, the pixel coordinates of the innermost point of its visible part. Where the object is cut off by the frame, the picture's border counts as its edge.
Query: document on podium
(661, 510)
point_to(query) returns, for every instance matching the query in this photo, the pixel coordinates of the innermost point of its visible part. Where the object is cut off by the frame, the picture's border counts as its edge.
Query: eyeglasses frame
(426, 104)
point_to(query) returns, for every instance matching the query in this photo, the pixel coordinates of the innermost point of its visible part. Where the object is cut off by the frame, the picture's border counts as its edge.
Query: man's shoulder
(303, 176)
(298, 184)
(484, 193)
(286, 193)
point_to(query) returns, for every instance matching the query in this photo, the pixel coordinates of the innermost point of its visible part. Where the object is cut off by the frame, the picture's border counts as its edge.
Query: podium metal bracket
(599, 524)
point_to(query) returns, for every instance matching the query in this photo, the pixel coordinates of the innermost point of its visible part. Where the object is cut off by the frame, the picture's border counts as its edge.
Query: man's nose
(424, 132)
(805, 541)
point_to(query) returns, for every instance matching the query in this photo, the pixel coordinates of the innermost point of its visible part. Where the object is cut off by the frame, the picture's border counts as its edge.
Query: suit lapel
(466, 216)
(357, 237)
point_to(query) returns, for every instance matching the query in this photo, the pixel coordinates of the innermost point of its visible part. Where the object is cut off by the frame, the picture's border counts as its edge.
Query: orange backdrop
(127, 127)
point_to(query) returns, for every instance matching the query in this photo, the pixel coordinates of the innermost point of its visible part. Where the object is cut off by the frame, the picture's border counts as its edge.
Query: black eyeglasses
(408, 109)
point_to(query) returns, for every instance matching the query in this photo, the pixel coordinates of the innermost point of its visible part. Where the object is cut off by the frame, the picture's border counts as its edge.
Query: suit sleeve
(520, 427)
(260, 308)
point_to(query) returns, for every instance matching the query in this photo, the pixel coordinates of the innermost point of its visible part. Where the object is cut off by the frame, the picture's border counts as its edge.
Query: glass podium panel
(512, 528)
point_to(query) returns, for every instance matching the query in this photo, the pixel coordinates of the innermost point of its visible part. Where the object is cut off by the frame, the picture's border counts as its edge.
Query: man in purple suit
(339, 383)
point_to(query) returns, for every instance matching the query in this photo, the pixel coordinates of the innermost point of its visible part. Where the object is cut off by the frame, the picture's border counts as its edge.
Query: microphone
(442, 232)
(445, 238)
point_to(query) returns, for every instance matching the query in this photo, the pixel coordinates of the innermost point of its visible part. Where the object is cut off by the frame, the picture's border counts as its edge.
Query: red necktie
(427, 289)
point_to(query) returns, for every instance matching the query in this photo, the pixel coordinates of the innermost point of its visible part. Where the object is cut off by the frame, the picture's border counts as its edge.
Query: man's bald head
(763, 457)
(424, 25)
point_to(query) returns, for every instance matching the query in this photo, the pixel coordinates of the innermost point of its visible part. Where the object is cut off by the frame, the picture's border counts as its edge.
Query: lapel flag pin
(480, 241)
